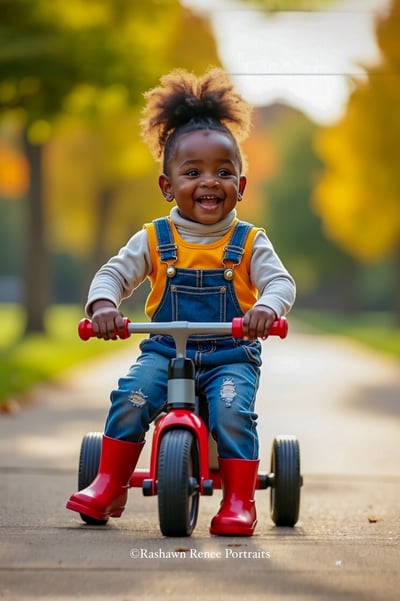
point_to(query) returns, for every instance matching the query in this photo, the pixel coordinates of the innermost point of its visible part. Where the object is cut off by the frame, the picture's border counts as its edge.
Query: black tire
(286, 481)
(89, 460)
(178, 483)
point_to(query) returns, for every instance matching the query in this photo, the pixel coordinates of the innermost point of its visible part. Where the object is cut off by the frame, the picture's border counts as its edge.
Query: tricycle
(183, 460)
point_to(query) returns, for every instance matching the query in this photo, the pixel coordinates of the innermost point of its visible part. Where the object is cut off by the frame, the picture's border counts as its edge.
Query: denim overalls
(227, 370)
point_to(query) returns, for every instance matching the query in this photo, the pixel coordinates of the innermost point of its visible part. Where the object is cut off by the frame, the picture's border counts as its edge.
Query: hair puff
(183, 97)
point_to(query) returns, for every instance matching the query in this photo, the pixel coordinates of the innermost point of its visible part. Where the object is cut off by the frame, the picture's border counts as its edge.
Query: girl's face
(204, 176)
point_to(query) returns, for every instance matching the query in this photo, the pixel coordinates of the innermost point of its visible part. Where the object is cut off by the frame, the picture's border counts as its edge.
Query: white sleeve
(123, 273)
(276, 287)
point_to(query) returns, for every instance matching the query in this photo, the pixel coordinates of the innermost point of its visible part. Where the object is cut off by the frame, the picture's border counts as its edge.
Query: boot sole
(92, 513)
(226, 530)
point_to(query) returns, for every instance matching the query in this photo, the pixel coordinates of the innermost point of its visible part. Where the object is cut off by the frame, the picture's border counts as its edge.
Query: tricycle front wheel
(178, 485)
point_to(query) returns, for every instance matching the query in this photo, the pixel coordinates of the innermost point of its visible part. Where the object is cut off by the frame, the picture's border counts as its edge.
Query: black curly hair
(184, 103)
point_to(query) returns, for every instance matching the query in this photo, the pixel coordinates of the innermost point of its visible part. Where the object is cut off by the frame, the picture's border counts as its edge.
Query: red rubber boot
(237, 514)
(106, 496)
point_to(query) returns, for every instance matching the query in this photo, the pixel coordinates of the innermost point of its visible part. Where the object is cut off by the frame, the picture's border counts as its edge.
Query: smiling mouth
(209, 202)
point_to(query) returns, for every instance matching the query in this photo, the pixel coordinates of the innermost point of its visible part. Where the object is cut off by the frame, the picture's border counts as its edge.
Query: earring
(168, 196)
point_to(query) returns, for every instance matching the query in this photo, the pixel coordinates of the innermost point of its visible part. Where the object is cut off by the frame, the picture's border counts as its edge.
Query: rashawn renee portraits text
(226, 553)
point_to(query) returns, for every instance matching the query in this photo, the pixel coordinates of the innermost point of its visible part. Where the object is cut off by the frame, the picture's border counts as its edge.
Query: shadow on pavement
(378, 399)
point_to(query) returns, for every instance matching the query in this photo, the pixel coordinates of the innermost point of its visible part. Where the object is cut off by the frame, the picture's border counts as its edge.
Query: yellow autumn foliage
(358, 197)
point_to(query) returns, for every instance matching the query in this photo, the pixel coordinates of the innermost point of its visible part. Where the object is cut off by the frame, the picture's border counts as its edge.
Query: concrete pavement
(339, 399)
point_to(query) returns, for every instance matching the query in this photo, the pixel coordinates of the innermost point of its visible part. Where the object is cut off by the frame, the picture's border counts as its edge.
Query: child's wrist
(101, 303)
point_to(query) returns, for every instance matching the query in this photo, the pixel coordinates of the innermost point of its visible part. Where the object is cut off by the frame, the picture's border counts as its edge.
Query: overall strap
(166, 246)
(235, 249)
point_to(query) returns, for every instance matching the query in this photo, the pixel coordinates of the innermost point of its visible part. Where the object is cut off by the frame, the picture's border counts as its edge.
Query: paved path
(340, 400)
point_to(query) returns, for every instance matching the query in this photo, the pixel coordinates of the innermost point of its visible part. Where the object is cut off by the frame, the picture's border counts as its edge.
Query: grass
(375, 330)
(25, 361)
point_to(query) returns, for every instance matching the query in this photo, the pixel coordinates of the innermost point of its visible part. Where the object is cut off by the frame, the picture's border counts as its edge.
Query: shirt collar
(217, 230)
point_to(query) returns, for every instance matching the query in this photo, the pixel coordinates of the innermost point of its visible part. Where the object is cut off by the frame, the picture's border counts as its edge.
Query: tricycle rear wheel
(178, 485)
(89, 460)
(286, 481)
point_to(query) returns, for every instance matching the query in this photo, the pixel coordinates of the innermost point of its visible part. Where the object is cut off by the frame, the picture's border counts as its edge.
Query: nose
(210, 181)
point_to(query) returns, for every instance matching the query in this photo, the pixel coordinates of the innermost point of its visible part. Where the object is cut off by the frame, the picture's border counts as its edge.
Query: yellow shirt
(201, 256)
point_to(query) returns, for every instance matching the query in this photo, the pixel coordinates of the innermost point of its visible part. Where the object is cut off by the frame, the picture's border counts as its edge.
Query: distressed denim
(230, 391)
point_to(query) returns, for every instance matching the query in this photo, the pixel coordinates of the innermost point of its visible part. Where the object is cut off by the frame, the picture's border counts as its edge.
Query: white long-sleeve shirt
(123, 273)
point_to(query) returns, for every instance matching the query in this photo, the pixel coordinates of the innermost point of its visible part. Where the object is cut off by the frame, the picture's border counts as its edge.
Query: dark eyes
(196, 173)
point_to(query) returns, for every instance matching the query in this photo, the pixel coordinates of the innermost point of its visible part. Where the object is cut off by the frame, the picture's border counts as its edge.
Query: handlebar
(185, 328)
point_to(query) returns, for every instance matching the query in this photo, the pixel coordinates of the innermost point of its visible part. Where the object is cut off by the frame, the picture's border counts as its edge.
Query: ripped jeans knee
(228, 392)
(231, 393)
(140, 396)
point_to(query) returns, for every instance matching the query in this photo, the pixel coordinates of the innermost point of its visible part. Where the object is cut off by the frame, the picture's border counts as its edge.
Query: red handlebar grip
(85, 329)
(126, 333)
(237, 327)
(278, 328)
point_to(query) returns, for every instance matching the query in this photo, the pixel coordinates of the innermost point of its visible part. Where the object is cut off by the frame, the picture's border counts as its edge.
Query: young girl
(203, 265)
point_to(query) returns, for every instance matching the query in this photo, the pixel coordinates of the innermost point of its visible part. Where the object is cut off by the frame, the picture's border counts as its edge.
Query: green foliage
(41, 357)
(84, 65)
(47, 48)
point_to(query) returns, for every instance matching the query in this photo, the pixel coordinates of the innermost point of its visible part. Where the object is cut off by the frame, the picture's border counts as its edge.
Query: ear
(165, 187)
(242, 186)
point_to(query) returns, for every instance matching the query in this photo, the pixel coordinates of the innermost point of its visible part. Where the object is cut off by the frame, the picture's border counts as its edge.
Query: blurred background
(76, 181)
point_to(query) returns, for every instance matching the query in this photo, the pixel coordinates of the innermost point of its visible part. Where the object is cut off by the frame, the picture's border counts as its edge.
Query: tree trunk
(100, 225)
(37, 259)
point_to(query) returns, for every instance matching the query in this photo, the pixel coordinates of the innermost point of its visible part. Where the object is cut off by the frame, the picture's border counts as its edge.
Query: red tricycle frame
(182, 414)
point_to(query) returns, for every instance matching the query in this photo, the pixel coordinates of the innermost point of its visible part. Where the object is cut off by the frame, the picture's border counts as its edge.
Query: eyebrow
(187, 162)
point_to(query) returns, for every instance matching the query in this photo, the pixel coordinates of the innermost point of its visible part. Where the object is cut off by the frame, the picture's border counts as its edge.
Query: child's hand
(107, 321)
(257, 322)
